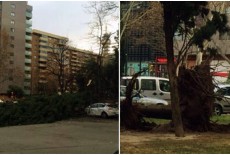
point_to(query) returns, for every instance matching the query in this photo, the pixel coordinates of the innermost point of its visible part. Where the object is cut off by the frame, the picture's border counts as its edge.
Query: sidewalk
(67, 137)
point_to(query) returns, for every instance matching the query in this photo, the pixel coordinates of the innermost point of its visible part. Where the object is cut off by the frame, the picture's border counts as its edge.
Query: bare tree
(103, 12)
(58, 62)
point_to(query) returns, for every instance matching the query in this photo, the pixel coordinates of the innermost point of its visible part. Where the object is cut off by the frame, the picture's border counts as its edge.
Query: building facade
(43, 59)
(16, 21)
(143, 40)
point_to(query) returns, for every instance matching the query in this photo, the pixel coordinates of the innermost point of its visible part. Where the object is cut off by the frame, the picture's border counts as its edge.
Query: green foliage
(42, 109)
(89, 78)
(17, 91)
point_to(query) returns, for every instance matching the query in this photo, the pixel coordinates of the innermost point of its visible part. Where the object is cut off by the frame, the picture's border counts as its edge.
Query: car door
(163, 91)
(226, 101)
(148, 87)
(94, 109)
(100, 108)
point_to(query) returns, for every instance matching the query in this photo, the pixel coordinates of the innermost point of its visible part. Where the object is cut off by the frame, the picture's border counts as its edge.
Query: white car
(102, 109)
(222, 101)
(138, 98)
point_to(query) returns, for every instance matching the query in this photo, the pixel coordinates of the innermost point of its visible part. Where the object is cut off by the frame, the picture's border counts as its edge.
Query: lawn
(193, 143)
(223, 119)
(159, 143)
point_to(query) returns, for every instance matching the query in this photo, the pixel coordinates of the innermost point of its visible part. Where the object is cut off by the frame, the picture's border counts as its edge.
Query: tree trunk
(169, 33)
(130, 117)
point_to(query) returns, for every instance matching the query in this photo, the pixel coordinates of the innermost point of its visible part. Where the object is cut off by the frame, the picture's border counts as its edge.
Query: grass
(223, 119)
(133, 142)
(207, 143)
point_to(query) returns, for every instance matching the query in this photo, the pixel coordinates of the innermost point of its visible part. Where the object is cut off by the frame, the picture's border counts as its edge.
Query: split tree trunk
(196, 97)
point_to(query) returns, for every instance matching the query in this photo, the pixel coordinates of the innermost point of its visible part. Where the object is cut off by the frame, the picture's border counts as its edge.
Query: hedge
(42, 109)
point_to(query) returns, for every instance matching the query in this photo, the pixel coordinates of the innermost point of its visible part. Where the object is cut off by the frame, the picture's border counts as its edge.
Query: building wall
(41, 54)
(144, 40)
(16, 20)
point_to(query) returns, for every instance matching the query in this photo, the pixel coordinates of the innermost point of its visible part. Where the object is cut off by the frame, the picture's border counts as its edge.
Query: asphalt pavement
(77, 136)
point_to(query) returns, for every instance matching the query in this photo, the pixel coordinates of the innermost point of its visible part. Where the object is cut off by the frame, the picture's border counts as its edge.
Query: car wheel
(160, 104)
(218, 110)
(104, 115)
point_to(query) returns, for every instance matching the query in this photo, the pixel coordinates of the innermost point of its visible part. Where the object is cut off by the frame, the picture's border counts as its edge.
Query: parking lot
(82, 135)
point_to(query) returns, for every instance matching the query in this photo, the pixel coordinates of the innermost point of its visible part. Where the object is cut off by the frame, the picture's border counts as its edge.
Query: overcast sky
(65, 18)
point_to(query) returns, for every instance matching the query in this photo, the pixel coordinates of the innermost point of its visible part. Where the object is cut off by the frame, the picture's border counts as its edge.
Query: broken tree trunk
(130, 117)
(196, 97)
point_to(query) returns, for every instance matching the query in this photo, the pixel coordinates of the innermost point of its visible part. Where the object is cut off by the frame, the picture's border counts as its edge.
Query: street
(82, 135)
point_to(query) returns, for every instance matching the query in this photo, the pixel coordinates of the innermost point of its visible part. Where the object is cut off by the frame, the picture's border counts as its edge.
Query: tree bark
(169, 33)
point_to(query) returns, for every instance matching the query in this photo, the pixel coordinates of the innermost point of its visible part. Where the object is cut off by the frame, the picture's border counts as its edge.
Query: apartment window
(12, 37)
(12, 45)
(12, 22)
(13, 6)
(12, 14)
(12, 29)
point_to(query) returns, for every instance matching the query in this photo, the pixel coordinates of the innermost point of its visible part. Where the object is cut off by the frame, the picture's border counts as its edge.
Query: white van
(149, 86)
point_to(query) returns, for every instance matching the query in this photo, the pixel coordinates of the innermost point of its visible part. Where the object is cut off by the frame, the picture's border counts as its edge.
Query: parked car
(155, 87)
(102, 109)
(139, 98)
(222, 101)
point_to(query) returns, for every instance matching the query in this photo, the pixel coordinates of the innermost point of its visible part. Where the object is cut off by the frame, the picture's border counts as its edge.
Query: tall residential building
(41, 49)
(42, 80)
(15, 20)
(142, 43)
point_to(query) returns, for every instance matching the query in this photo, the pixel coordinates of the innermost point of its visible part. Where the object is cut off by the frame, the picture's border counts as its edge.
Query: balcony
(28, 37)
(43, 39)
(43, 54)
(27, 76)
(28, 45)
(27, 84)
(27, 92)
(42, 44)
(29, 30)
(42, 59)
(28, 15)
(27, 68)
(28, 53)
(42, 65)
(28, 23)
(42, 81)
(28, 61)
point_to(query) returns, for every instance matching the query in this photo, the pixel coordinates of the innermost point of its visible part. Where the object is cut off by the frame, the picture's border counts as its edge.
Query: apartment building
(42, 79)
(16, 21)
(143, 42)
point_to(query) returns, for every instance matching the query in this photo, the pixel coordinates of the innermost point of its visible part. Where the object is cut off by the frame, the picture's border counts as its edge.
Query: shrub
(42, 109)
(16, 90)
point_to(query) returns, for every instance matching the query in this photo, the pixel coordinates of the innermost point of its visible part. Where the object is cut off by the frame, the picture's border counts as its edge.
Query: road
(82, 135)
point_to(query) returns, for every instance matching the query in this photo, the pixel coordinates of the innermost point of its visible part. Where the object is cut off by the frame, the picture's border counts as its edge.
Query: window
(164, 85)
(147, 84)
(101, 105)
(12, 14)
(12, 22)
(12, 37)
(12, 29)
(13, 6)
(12, 45)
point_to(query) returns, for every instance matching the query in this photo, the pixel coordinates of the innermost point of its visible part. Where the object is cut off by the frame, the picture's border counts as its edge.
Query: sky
(68, 19)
